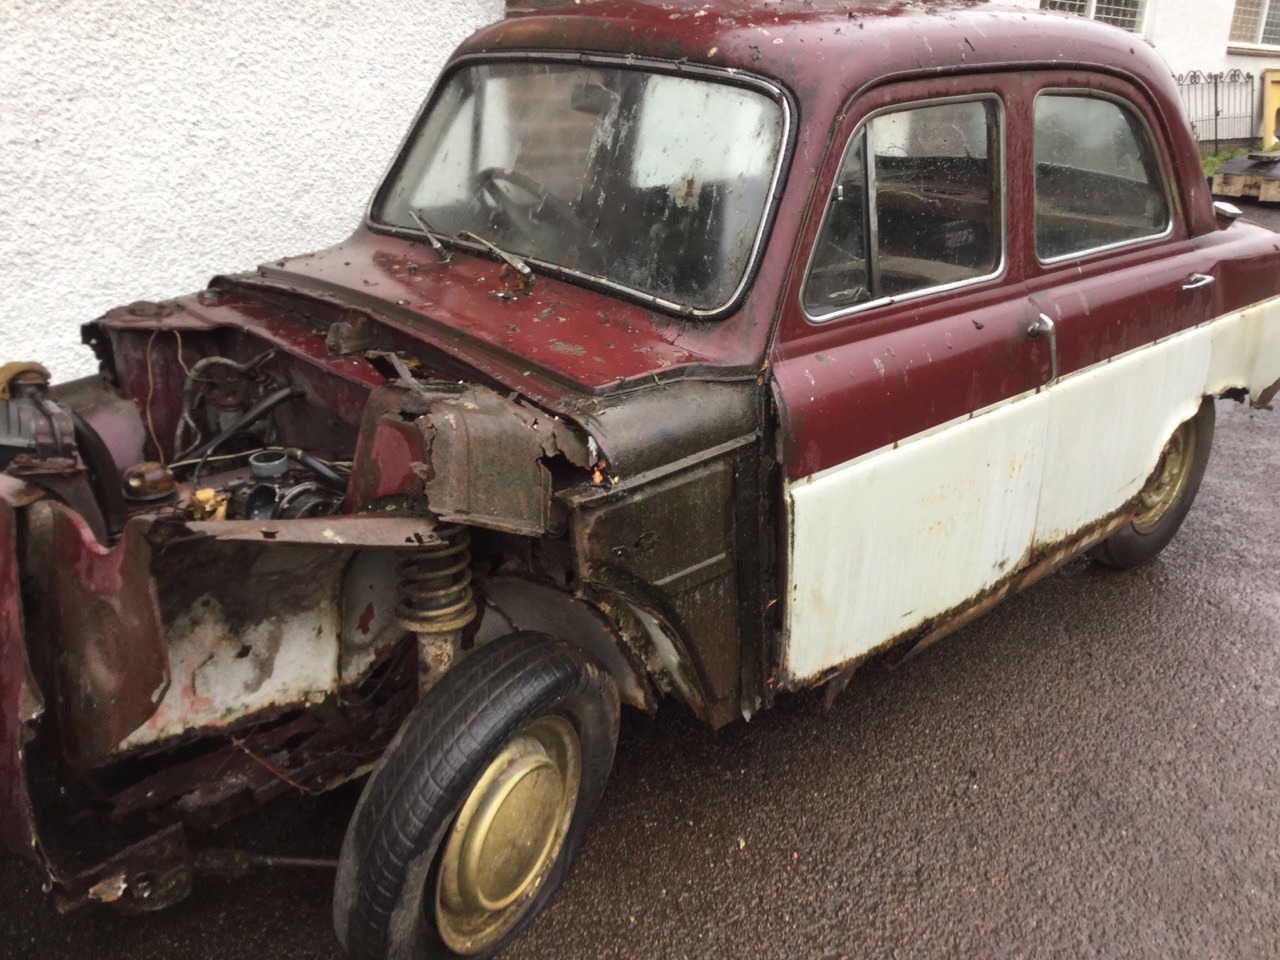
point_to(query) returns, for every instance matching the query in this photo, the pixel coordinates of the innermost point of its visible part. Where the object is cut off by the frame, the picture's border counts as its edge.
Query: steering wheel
(524, 201)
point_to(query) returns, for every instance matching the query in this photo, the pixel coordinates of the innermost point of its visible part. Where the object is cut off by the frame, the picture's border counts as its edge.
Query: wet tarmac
(1091, 770)
(1267, 214)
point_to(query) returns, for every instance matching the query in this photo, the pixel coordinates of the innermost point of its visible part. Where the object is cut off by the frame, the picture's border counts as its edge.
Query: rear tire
(479, 805)
(1166, 498)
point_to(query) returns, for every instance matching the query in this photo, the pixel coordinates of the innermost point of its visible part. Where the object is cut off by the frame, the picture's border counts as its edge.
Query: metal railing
(1220, 106)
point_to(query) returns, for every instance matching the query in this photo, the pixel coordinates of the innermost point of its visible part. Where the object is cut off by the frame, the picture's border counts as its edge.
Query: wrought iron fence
(1220, 106)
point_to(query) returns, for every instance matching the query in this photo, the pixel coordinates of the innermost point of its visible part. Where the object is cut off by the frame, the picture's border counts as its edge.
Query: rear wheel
(472, 819)
(1166, 498)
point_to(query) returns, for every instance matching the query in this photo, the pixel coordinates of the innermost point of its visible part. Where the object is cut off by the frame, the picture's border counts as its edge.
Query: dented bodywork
(236, 558)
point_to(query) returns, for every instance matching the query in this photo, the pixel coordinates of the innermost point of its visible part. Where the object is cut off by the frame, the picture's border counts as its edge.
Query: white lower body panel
(885, 543)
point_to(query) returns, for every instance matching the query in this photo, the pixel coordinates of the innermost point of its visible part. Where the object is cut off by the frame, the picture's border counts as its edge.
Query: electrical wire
(248, 418)
(185, 419)
(151, 386)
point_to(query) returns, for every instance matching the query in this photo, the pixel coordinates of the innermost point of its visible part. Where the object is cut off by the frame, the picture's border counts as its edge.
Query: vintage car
(697, 352)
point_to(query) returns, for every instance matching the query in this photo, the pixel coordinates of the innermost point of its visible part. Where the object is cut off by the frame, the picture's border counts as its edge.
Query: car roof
(825, 52)
(813, 45)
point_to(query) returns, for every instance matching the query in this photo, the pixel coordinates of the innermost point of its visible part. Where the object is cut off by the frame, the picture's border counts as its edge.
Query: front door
(907, 378)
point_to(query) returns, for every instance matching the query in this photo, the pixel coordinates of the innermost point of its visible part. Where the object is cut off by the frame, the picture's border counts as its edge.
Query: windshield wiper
(444, 255)
(516, 264)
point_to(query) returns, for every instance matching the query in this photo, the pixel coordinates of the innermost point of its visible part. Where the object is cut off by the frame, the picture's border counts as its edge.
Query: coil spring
(435, 584)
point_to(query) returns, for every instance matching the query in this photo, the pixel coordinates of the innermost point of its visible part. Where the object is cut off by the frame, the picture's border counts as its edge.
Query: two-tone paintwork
(907, 536)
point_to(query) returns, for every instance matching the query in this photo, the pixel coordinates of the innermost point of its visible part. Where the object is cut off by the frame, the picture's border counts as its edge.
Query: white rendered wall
(1193, 35)
(147, 146)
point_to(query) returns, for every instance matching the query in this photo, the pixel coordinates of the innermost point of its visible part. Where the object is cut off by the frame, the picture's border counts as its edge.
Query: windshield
(650, 181)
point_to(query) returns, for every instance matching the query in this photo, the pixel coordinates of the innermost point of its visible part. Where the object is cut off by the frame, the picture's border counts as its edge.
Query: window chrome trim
(871, 216)
(1152, 142)
(729, 76)
(873, 269)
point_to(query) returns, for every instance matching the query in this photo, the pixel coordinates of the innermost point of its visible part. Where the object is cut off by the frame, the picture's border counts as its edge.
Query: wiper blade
(444, 255)
(516, 264)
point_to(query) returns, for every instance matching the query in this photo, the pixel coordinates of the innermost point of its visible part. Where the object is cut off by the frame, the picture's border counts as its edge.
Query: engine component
(246, 419)
(148, 481)
(31, 423)
(276, 489)
(269, 464)
(208, 504)
(290, 496)
(224, 398)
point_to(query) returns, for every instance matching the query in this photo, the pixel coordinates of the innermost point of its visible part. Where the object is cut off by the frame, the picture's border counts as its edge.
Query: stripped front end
(242, 553)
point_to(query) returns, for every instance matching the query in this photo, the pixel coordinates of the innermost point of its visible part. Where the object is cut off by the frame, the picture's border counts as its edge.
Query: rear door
(1117, 280)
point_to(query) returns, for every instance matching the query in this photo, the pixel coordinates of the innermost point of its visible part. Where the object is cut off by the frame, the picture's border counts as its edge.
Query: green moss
(1211, 162)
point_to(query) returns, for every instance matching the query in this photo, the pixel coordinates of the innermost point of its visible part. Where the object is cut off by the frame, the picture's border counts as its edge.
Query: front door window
(916, 206)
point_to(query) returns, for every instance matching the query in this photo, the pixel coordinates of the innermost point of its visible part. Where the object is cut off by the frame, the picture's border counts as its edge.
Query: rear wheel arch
(1167, 495)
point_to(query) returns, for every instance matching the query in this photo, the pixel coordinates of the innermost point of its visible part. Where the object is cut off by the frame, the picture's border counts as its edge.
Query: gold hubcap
(1165, 487)
(508, 835)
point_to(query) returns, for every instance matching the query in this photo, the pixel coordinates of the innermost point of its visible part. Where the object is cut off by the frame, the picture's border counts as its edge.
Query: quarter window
(1098, 180)
(915, 206)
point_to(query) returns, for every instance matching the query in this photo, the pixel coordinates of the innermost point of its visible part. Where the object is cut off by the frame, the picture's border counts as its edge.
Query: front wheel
(479, 805)
(1166, 498)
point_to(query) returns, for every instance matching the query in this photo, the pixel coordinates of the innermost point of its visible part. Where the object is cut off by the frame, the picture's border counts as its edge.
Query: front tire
(1166, 498)
(480, 804)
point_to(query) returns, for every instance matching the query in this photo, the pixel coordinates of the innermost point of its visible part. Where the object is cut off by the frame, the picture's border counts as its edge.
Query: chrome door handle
(1043, 326)
(1196, 281)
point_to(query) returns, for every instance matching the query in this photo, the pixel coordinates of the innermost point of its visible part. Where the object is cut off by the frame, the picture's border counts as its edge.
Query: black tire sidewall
(389, 856)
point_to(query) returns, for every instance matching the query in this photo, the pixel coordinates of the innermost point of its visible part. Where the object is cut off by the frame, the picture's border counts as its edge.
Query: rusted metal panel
(388, 446)
(488, 461)
(919, 637)
(19, 699)
(248, 627)
(17, 493)
(295, 751)
(645, 433)
(370, 629)
(962, 507)
(1044, 562)
(99, 611)
(369, 531)
(517, 603)
(669, 545)
(145, 876)
(454, 307)
(113, 417)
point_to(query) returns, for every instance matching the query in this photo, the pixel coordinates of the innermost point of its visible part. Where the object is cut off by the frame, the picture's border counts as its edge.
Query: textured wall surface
(1193, 35)
(145, 147)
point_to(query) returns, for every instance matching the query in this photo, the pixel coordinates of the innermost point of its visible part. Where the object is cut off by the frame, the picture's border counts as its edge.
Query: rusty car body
(725, 344)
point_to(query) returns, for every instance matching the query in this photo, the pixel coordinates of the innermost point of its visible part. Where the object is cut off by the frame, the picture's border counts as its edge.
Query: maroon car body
(715, 492)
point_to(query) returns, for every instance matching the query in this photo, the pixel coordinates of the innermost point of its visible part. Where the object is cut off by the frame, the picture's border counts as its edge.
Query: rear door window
(1098, 181)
